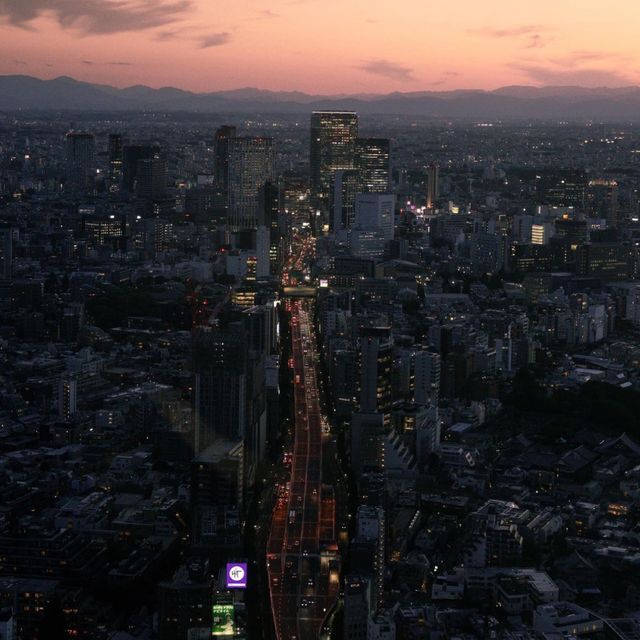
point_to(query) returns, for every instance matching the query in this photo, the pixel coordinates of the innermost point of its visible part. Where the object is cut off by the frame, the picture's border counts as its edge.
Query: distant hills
(21, 92)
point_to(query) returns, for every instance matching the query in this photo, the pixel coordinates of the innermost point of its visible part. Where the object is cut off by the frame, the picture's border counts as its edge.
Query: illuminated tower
(115, 158)
(372, 162)
(222, 136)
(333, 147)
(376, 365)
(250, 166)
(433, 172)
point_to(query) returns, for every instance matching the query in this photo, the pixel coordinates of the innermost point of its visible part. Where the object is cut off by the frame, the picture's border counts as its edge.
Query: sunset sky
(324, 46)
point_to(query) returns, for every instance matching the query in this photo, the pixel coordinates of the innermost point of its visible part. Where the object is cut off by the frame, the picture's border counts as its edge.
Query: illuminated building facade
(250, 166)
(333, 147)
(373, 164)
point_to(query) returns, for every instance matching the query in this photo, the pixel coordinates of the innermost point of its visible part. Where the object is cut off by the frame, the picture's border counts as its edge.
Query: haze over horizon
(348, 48)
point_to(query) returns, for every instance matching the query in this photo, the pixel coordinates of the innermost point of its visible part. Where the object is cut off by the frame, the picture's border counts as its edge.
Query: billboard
(222, 620)
(236, 575)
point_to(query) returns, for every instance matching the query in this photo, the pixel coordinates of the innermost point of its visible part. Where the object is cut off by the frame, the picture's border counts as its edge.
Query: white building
(376, 211)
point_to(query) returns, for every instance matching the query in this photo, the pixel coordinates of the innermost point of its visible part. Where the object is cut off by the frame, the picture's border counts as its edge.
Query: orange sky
(324, 46)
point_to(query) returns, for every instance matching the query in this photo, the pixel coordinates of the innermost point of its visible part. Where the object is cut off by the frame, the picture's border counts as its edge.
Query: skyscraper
(115, 158)
(220, 151)
(131, 155)
(373, 164)
(602, 200)
(269, 217)
(376, 365)
(333, 147)
(67, 397)
(343, 203)
(433, 188)
(220, 378)
(6, 251)
(376, 211)
(250, 166)
(151, 178)
(80, 161)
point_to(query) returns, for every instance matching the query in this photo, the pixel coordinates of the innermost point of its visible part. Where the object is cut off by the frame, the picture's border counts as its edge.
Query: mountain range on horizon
(22, 92)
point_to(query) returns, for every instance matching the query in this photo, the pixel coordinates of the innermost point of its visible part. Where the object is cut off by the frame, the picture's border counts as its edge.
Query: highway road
(303, 563)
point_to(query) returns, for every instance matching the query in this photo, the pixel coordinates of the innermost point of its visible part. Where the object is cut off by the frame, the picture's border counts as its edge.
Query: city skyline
(191, 44)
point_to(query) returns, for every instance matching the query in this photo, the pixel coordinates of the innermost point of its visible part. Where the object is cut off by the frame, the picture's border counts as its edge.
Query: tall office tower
(433, 188)
(426, 376)
(373, 164)
(219, 362)
(67, 397)
(220, 153)
(346, 187)
(6, 251)
(602, 200)
(250, 167)
(115, 158)
(376, 370)
(131, 155)
(333, 147)
(270, 207)
(562, 187)
(151, 178)
(151, 188)
(371, 527)
(80, 161)
(357, 606)
(376, 211)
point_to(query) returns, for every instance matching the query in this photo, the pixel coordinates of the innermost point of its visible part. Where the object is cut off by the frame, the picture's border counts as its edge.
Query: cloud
(88, 62)
(22, 63)
(119, 63)
(583, 76)
(537, 41)
(96, 16)
(575, 58)
(267, 13)
(168, 34)
(215, 40)
(451, 74)
(387, 69)
(512, 32)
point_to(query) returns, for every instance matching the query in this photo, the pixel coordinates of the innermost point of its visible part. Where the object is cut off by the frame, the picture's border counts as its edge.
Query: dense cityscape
(318, 375)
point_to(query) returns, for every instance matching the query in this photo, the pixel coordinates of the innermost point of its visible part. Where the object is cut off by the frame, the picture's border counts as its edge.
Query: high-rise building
(370, 526)
(250, 166)
(357, 606)
(151, 178)
(80, 161)
(115, 158)
(270, 217)
(221, 154)
(185, 601)
(608, 261)
(346, 187)
(131, 155)
(373, 164)
(333, 147)
(541, 233)
(433, 187)
(67, 397)
(376, 370)
(602, 200)
(376, 211)
(219, 364)
(426, 376)
(6, 251)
